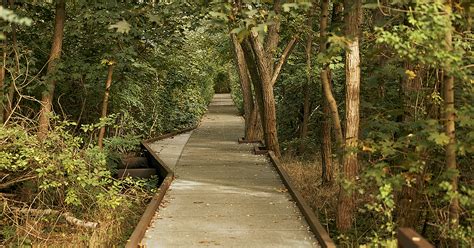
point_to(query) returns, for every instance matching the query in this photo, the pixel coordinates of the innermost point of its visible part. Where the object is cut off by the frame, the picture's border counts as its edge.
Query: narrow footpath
(223, 195)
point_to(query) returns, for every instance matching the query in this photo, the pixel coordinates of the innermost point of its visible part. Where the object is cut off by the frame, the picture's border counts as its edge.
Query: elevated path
(223, 195)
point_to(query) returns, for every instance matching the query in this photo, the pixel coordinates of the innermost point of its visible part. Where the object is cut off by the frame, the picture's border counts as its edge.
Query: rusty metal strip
(164, 172)
(323, 237)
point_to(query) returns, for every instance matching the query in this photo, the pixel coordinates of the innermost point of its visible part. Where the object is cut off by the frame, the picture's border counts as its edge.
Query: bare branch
(284, 57)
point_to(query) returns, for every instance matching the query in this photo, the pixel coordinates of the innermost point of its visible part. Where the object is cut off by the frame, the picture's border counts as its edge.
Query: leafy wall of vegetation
(165, 63)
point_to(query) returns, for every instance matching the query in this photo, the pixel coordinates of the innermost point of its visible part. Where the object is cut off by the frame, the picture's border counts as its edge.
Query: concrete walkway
(223, 195)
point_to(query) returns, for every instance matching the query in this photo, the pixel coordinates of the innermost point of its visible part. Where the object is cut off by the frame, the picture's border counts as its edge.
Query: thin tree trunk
(48, 94)
(2, 82)
(306, 85)
(105, 103)
(346, 201)
(450, 130)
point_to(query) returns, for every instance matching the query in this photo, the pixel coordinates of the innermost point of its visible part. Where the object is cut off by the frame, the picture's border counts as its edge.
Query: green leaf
(439, 138)
(121, 26)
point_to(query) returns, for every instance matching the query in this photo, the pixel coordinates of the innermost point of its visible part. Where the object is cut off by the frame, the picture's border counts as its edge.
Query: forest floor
(306, 176)
(224, 195)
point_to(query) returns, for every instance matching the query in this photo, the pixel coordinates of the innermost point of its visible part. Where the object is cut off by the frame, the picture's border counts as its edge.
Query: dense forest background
(369, 104)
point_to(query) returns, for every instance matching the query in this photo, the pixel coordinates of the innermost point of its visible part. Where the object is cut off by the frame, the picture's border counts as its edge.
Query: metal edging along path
(164, 172)
(323, 237)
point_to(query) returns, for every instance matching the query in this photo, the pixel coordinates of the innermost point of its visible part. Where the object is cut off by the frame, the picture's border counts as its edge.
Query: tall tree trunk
(306, 85)
(253, 128)
(105, 102)
(450, 130)
(48, 94)
(346, 200)
(326, 143)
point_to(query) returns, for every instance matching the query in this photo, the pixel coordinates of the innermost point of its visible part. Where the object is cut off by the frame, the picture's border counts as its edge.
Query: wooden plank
(323, 237)
(408, 238)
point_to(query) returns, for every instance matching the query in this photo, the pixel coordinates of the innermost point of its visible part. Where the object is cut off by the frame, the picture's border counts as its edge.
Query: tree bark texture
(48, 94)
(346, 200)
(105, 102)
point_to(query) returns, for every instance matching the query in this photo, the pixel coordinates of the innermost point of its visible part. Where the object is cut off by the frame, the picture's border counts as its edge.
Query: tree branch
(18, 180)
(284, 57)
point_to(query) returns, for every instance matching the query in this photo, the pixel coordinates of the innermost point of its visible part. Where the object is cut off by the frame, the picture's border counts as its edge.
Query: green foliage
(59, 163)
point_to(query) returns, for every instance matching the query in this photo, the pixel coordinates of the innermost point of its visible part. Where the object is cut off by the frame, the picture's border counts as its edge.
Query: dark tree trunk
(408, 201)
(47, 96)
(307, 83)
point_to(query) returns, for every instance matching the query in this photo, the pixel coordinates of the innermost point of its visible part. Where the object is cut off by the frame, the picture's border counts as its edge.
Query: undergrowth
(60, 192)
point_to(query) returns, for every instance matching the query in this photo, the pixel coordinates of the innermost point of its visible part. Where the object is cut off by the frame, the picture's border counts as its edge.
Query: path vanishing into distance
(223, 194)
